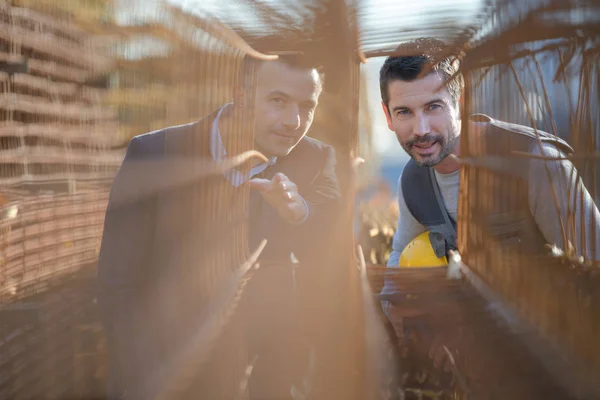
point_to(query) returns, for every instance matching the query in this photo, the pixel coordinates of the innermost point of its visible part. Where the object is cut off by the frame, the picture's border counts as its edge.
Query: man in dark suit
(165, 229)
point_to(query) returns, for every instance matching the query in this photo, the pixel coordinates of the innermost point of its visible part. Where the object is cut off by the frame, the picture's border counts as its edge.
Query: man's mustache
(426, 139)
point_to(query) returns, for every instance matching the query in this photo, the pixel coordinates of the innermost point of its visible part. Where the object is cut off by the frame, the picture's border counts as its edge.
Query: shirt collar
(219, 153)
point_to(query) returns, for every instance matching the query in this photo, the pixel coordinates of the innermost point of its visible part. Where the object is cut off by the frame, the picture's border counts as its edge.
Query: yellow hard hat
(419, 254)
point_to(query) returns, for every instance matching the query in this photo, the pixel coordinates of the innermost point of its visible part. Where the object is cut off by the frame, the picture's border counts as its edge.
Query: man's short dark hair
(300, 60)
(411, 58)
(295, 58)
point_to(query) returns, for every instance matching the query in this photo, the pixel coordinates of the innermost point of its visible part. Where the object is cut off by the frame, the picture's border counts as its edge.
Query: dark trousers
(272, 322)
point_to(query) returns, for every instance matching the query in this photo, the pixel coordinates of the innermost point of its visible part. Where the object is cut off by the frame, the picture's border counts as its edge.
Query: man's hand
(281, 193)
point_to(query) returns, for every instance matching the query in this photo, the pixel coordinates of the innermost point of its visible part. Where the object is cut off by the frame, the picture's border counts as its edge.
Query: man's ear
(388, 117)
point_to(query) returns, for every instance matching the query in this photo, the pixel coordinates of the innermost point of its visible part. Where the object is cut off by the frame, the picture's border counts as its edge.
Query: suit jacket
(173, 234)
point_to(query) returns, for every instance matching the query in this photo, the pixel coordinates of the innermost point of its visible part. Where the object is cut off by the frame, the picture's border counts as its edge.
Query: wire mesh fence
(216, 313)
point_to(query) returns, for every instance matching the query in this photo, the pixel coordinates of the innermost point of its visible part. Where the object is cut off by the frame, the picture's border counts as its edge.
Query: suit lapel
(175, 207)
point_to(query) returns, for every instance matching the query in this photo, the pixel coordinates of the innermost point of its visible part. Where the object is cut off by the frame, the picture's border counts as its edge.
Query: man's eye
(278, 100)
(434, 106)
(402, 112)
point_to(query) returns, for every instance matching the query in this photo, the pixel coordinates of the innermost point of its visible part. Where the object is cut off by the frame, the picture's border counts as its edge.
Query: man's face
(286, 99)
(426, 120)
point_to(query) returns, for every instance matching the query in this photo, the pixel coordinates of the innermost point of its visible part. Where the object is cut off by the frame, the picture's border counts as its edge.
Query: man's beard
(447, 146)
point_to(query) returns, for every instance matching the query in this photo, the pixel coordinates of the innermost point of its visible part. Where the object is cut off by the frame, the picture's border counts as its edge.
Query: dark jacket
(174, 235)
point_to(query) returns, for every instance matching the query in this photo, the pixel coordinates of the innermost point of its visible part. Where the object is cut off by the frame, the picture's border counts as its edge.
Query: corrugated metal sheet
(386, 23)
(383, 24)
(252, 19)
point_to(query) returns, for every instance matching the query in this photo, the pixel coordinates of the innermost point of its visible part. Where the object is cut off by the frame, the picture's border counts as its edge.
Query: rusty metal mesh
(77, 86)
(82, 79)
(540, 72)
(59, 147)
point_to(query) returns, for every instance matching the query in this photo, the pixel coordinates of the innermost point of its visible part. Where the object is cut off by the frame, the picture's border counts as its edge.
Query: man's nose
(421, 126)
(291, 118)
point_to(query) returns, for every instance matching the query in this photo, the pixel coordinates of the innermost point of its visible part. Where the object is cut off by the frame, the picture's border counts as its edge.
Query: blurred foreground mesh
(80, 78)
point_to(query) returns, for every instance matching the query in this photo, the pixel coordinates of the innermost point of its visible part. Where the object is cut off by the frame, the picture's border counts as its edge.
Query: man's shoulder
(154, 142)
(158, 136)
(547, 149)
(309, 158)
(309, 145)
(528, 136)
(310, 141)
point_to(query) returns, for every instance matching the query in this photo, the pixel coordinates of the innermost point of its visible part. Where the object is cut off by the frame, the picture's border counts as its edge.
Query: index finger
(260, 184)
(279, 177)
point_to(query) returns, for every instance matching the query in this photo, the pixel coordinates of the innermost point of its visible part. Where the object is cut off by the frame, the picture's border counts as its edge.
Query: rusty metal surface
(514, 55)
